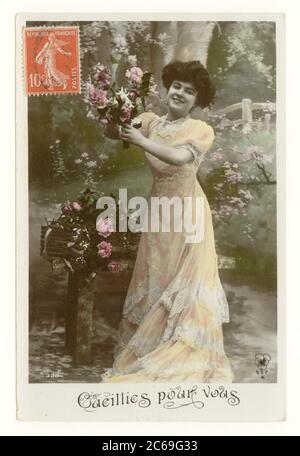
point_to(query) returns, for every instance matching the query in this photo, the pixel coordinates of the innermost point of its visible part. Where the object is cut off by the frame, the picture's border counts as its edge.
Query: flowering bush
(89, 166)
(239, 174)
(113, 104)
(58, 162)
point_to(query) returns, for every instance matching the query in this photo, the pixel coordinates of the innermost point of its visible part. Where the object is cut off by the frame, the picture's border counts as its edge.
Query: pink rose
(67, 208)
(77, 206)
(135, 74)
(125, 113)
(105, 227)
(98, 97)
(115, 266)
(104, 249)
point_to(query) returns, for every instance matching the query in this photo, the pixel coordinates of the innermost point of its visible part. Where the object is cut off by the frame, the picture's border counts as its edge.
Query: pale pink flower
(67, 208)
(77, 206)
(115, 266)
(125, 113)
(104, 249)
(105, 227)
(246, 194)
(98, 97)
(135, 74)
(216, 156)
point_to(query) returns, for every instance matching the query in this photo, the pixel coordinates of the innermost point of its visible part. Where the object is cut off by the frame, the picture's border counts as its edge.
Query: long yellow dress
(171, 327)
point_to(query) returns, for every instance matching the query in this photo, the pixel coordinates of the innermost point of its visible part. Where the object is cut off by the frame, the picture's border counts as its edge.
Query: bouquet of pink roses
(118, 106)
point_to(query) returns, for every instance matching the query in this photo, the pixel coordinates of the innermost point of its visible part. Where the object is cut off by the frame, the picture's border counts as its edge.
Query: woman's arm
(167, 154)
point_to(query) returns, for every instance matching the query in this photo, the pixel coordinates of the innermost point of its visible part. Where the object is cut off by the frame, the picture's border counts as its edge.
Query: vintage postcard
(150, 217)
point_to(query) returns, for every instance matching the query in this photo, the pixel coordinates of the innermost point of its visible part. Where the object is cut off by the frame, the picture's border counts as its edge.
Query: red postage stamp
(52, 60)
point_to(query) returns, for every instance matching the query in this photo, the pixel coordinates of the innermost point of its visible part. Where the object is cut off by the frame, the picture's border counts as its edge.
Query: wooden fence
(247, 108)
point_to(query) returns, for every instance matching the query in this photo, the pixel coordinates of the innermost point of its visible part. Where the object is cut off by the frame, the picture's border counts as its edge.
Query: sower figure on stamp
(54, 77)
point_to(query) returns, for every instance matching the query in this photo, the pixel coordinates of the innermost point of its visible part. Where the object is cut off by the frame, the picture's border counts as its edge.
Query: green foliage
(242, 60)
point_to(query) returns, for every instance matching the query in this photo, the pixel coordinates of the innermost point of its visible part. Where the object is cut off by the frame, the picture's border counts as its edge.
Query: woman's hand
(131, 135)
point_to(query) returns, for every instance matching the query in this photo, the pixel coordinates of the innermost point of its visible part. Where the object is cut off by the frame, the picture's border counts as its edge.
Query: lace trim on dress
(196, 338)
(209, 339)
(211, 354)
(176, 121)
(130, 308)
(186, 291)
(159, 124)
(175, 175)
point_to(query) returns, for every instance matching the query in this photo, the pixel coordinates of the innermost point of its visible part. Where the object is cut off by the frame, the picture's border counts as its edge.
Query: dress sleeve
(197, 138)
(146, 118)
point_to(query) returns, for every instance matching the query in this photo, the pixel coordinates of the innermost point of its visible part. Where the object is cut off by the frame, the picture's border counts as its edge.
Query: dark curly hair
(194, 72)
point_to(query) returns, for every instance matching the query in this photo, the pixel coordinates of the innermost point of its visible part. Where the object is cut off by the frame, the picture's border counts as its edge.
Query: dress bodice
(186, 133)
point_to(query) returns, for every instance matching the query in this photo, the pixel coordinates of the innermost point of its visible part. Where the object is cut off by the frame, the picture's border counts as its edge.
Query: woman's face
(181, 98)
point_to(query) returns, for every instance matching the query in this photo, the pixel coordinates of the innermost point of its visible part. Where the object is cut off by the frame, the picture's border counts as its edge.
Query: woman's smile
(177, 100)
(181, 99)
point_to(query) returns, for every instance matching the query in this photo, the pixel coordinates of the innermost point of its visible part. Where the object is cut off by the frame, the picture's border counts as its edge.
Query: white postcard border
(52, 402)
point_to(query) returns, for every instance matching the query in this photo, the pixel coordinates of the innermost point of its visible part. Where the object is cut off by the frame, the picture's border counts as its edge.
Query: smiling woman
(171, 329)
(188, 85)
(182, 98)
(190, 78)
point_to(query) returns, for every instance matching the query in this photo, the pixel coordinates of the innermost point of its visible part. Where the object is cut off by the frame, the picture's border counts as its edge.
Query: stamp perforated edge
(24, 67)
